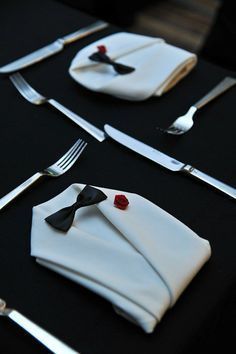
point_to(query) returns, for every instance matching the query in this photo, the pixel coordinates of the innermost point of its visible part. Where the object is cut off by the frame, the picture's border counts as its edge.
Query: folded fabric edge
(147, 325)
(177, 75)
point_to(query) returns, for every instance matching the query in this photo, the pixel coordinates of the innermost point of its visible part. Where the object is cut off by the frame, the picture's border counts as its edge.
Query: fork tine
(167, 130)
(61, 160)
(16, 78)
(173, 130)
(170, 130)
(54, 170)
(25, 89)
(70, 156)
(17, 82)
(75, 157)
(34, 97)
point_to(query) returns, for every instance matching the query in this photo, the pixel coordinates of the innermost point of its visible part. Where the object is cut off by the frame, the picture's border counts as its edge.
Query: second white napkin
(158, 66)
(140, 259)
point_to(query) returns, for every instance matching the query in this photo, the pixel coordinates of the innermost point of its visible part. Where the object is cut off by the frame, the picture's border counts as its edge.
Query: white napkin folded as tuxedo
(158, 66)
(140, 259)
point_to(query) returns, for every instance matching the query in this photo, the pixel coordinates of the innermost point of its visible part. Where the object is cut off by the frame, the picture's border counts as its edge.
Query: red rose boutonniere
(102, 49)
(121, 201)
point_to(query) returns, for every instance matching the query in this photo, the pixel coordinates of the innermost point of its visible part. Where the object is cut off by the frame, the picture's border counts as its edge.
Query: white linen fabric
(158, 66)
(140, 259)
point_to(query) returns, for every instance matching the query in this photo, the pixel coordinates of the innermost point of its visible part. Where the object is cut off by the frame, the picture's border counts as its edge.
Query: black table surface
(33, 137)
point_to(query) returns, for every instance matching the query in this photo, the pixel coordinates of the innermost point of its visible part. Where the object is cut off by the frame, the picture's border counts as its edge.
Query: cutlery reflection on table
(166, 161)
(47, 339)
(36, 98)
(184, 123)
(52, 48)
(57, 169)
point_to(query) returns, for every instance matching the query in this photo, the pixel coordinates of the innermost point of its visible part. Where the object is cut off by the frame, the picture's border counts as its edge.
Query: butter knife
(166, 161)
(48, 340)
(52, 48)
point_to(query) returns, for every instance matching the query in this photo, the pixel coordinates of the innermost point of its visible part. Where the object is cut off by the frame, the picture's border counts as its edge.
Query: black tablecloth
(32, 137)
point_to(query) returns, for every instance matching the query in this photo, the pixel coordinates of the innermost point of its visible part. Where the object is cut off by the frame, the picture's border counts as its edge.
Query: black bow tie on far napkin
(101, 57)
(63, 219)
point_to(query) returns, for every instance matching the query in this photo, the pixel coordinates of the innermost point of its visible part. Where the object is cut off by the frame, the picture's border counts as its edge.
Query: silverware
(166, 161)
(55, 170)
(184, 123)
(36, 98)
(52, 48)
(47, 339)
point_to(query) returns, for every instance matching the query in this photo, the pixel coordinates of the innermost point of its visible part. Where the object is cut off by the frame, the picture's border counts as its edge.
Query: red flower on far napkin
(102, 49)
(121, 201)
(101, 57)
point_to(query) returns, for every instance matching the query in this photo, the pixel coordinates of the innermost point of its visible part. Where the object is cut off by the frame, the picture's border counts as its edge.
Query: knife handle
(90, 128)
(190, 170)
(83, 32)
(223, 86)
(47, 339)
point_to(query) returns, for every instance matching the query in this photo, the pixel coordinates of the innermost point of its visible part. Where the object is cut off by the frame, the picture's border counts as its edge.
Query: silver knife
(54, 344)
(52, 48)
(165, 160)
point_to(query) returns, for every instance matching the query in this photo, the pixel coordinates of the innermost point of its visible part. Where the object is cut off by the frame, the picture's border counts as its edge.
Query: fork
(50, 342)
(30, 94)
(55, 170)
(184, 123)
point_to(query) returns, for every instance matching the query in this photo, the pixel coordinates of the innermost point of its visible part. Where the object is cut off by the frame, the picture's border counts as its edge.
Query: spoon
(48, 340)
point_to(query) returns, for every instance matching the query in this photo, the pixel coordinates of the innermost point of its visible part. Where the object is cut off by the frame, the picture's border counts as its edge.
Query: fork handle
(223, 86)
(47, 339)
(90, 128)
(225, 188)
(18, 190)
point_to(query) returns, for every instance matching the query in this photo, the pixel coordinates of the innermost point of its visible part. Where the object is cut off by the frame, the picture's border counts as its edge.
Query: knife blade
(52, 48)
(166, 161)
(54, 344)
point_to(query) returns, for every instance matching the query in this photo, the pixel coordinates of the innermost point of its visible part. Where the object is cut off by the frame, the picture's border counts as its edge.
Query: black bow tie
(104, 58)
(63, 219)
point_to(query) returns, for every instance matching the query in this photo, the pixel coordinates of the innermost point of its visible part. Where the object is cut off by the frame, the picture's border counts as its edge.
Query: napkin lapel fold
(172, 249)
